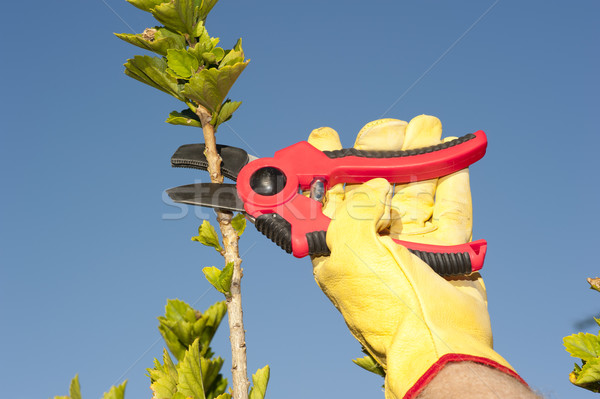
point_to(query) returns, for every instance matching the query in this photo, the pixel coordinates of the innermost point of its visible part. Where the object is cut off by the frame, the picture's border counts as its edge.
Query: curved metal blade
(212, 195)
(192, 156)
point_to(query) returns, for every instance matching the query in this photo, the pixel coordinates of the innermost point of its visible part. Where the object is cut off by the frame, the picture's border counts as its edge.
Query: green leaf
(179, 311)
(585, 346)
(232, 57)
(221, 280)
(207, 324)
(163, 377)
(169, 366)
(260, 379)
(226, 276)
(197, 51)
(190, 375)
(217, 389)
(152, 71)
(199, 31)
(218, 52)
(178, 15)
(370, 364)
(74, 388)
(117, 392)
(177, 327)
(205, 8)
(158, 40)
(227, 110)
(210, 86)
(146, 5)
(212, 274)
(209, 58)
(239, 221)
(174, 334)
(185, 118)
(205, 49)
(590, 372)
(224, 396)
(210, 372)
(181, 63)
(208, 236)
(205, 42)
(206, 53)
(238, 45)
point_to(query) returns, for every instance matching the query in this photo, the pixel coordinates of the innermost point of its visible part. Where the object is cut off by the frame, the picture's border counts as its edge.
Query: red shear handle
(297, 166)
(297, 224)
(301, 163)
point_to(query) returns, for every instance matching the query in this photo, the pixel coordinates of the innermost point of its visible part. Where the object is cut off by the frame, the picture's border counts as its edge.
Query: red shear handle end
(475, 250)
(477, 253)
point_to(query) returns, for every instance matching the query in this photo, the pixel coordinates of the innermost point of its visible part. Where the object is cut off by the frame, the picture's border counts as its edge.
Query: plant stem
(237, 334)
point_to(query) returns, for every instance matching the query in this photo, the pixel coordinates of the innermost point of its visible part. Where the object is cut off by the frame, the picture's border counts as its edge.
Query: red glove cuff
(455, 357)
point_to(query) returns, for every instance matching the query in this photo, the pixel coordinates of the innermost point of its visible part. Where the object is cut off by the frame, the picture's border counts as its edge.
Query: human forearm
(468, 380)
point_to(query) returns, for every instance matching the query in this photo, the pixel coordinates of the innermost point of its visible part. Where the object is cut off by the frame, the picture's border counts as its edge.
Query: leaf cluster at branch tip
(190, 66)
(188, 334)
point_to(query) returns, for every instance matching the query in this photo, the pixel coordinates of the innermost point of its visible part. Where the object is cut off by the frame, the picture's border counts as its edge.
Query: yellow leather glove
(411, 320)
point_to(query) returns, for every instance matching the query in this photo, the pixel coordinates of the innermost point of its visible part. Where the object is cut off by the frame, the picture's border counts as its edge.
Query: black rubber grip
(317, 245)
(347, 152)
(444, 264)
(277, 229)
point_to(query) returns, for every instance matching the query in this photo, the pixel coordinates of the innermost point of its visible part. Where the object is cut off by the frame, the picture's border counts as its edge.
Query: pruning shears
(269, 190)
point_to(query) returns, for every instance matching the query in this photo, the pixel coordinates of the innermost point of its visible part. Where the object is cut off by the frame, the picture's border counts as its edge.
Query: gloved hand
(411, 320)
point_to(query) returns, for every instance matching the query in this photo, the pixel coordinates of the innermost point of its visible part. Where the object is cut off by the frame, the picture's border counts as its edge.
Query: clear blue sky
(90, 249)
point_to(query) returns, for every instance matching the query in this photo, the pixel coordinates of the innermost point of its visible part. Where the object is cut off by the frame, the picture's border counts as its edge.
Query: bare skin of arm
(467, 380)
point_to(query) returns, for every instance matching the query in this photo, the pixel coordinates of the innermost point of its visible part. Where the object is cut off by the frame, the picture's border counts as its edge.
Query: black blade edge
(211, 195)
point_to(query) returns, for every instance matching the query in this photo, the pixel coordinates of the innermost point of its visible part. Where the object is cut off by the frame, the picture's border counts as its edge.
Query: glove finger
(451, 201)
(380, 134)
(422, 131)
(327, 139)
(412, 203)
(453, 209)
